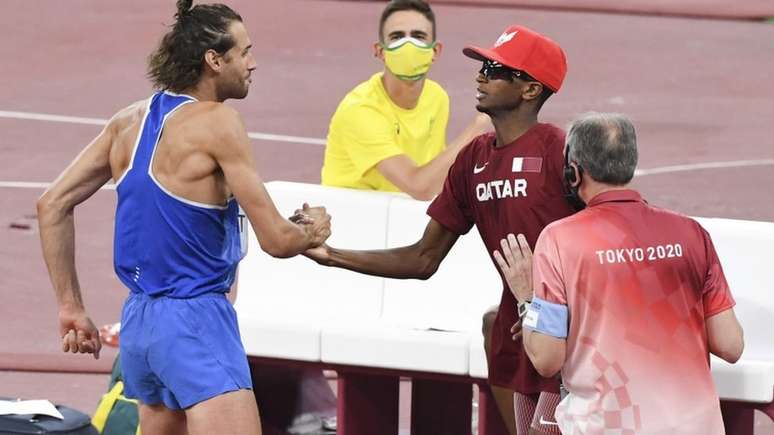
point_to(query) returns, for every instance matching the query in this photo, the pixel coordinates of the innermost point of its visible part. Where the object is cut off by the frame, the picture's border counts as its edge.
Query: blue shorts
(180, 352)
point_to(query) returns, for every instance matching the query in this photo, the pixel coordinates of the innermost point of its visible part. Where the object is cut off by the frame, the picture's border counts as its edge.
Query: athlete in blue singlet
(177, 269)
(181, 161)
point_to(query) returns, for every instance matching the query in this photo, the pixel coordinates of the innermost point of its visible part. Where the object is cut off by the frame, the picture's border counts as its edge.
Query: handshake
(316, 222)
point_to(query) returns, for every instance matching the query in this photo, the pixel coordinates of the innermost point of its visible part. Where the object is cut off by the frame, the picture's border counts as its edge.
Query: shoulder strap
(105, 405)
(162, 105)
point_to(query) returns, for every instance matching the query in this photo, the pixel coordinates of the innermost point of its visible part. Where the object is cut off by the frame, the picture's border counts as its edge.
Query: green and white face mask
(409, 58)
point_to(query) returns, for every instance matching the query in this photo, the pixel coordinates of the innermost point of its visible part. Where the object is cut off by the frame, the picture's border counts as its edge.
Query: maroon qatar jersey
(517, 188)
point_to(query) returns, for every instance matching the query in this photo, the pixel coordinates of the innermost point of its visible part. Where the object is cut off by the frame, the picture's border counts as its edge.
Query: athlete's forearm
(480, 125)
(400, 263)
(433, 174)
(289, 240)
(57, 236)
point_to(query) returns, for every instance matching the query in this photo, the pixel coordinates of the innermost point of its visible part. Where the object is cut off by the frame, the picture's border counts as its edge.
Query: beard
(236, 90)
(239, 88)
(242, 93)
(499, 108)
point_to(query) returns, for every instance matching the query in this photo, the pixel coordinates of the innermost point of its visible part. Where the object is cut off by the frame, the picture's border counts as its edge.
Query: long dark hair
(176, 64)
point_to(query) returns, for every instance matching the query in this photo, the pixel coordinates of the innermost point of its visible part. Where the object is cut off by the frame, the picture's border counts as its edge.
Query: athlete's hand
(516, 264)
(79, 335)
(516, 330)
(301, 218)
(320, 227)
(321, 254)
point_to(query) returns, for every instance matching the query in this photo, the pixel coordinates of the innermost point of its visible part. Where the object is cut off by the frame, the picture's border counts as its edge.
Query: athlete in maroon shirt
(503, 182)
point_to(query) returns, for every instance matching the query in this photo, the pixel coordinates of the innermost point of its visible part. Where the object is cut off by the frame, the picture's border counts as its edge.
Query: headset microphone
(573, 174)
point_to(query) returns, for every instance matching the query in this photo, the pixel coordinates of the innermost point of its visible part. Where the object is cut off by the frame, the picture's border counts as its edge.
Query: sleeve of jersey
(716, 293)
(370, 137)
(451, 207)
(548, 314)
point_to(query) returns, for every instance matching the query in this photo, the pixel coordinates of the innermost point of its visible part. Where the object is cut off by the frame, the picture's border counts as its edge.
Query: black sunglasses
(496, 71)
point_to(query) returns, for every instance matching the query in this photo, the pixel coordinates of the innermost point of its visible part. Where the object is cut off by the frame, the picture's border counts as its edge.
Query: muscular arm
(419, 261)
(276, 235)
(424, 182)
(725, 336)
(85, 175)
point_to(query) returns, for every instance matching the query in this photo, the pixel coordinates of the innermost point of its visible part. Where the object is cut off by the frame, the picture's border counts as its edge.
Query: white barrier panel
(745, 251)
(298, 310)
(299, 289)
(454, 299)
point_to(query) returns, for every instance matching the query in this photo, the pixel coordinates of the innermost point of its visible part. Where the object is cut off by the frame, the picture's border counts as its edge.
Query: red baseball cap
(526, 50)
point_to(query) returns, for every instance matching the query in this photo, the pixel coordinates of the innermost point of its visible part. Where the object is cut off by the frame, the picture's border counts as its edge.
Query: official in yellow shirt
(389, 133)
(369, 127)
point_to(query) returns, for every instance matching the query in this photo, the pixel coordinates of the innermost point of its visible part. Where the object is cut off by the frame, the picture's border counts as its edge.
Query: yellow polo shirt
(368, 128)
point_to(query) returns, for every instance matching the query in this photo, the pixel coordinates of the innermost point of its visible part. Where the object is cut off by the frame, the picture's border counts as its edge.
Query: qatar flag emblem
(527, 164)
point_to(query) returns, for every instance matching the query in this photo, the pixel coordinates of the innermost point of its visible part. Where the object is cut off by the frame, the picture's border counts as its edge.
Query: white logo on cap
(505, 37)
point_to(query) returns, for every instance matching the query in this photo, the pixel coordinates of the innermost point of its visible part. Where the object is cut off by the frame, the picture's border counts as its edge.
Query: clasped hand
(315, 221)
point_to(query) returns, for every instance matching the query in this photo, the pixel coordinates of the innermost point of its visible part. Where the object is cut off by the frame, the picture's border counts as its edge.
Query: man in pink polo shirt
(629, 299)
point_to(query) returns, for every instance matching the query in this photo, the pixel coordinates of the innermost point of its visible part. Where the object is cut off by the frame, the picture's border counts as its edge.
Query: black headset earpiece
(572, 178)
(570, 174)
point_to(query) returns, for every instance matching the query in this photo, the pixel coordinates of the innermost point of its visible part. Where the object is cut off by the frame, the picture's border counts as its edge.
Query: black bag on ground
(75, 423)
